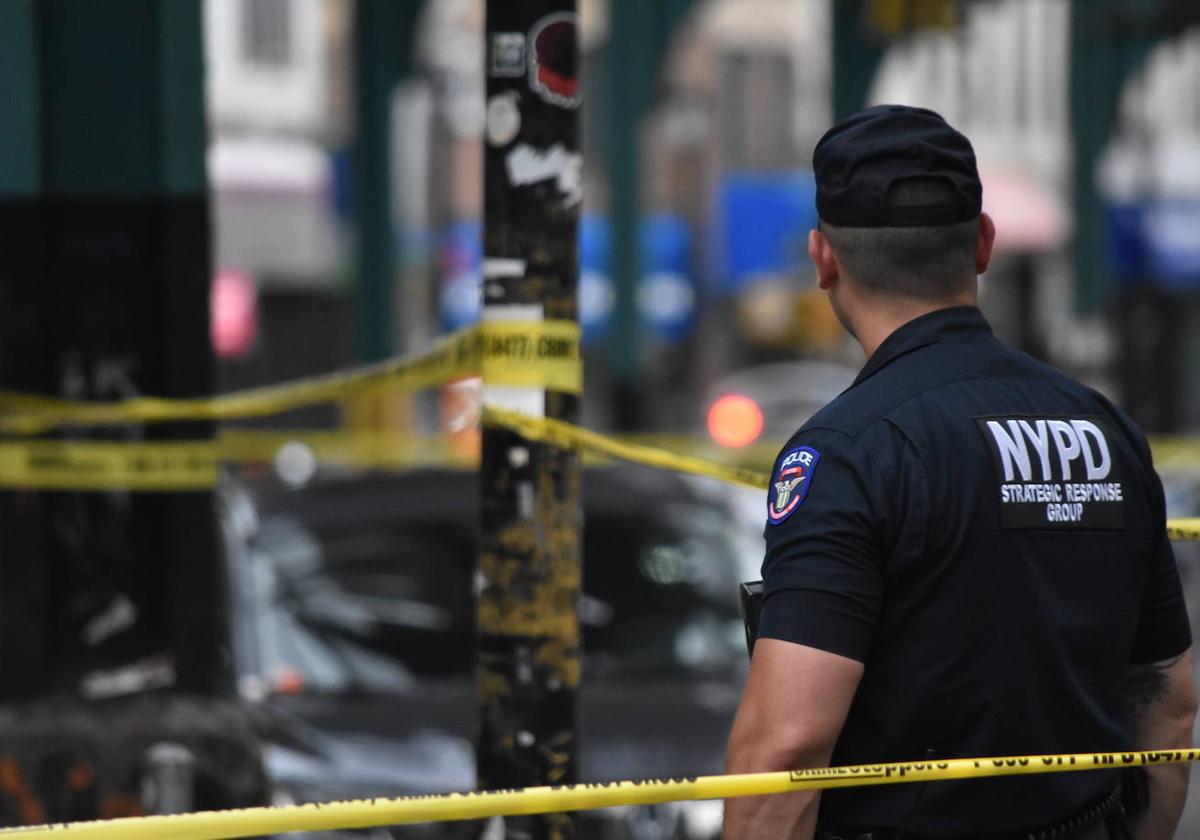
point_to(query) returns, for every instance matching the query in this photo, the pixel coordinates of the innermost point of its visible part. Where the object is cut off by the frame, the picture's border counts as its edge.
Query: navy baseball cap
(859, 160)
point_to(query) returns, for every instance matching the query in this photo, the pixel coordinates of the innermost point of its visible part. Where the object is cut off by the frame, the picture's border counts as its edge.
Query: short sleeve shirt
(988, 537)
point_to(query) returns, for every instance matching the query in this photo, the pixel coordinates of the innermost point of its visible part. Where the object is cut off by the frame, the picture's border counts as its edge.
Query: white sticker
(496, 268)
(508, 54)
(527, 165)
(503, 119)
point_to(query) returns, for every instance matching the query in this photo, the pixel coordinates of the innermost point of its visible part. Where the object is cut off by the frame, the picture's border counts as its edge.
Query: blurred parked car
(354, 624)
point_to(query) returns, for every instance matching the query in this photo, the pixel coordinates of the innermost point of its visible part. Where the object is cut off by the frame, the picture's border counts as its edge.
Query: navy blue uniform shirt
(988, 537)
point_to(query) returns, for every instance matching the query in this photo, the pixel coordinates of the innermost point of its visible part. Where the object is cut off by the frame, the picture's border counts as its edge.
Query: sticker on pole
(508, 54)
(790, 483)
(554, 60)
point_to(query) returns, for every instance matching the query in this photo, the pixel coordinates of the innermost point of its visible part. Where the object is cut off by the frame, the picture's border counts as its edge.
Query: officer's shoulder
(837, 422)
(815, 433)
(914, 375)
(838, 428)
(858, 408)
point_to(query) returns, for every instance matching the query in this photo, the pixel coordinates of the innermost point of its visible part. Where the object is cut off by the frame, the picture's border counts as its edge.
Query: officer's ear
(821, 254)
(983, 248)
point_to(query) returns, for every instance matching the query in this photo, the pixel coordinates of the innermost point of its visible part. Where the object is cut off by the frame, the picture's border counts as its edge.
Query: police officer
(966, 550)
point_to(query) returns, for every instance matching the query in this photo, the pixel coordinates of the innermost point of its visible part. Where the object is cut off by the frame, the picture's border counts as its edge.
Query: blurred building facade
(1151, 179)
(278, 91)
(725, 192)
(1002, 76)
(278, 102)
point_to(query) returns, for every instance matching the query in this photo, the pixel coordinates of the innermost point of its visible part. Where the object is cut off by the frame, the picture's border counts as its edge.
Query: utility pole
(529, 565)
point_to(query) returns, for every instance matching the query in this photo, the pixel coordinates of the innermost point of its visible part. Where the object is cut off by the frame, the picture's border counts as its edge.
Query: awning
(1029, 217)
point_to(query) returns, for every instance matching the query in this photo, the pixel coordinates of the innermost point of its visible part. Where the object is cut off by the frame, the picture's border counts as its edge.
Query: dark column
(639, 35)
(529, 665)
(858, 50)
(24, 362)
(105, 276)
(383, 51)
(104, 281)
(127, 275)
(1149, 369)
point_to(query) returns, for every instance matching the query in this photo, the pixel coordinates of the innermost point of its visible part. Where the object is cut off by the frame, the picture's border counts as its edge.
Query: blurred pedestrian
(966, 550)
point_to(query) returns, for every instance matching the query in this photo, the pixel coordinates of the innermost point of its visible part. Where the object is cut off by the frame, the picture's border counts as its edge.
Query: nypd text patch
(1055, 472)
(789, 484)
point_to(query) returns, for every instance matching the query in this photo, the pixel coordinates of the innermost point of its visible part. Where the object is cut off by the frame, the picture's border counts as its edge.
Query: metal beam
(1110, 42)
(20, 141)
(104, 278)
(858, 51)
(640, 33)
(384, 42)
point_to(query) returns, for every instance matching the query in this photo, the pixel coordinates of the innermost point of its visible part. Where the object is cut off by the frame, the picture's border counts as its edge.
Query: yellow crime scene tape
(1187, 529)
(172, 466)
(566, 435)
(368, 813)
(509, 353)
(1175, 453)
(359, 449)
(563, 434)
(105, 465)
(526, 354)
(193, 465)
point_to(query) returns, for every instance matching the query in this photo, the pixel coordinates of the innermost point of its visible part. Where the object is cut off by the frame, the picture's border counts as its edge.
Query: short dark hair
(927, 262)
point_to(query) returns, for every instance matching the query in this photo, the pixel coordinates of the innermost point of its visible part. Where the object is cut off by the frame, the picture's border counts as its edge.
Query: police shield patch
(789, 484)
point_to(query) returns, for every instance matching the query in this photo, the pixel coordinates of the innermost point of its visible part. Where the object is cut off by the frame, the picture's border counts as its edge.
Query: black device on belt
(751, 600)
(1075, 827)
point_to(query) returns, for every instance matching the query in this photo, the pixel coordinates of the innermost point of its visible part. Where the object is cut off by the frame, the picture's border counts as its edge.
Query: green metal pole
(857, 54)
(384, 32)
(632, 66)
(639, 35)
(1093, 111)
(1107, 48)
(20, 152)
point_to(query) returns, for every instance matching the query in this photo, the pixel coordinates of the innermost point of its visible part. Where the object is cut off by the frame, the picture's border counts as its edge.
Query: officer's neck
(875, 318)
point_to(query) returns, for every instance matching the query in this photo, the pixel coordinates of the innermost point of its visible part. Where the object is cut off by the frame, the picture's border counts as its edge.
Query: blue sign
(762, 225)
(1172, 246)
(597, 296)
(460, 253)
(666, 297)
(1155, 240)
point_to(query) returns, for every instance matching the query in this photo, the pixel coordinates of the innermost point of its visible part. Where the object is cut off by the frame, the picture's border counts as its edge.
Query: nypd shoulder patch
(790, 482)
